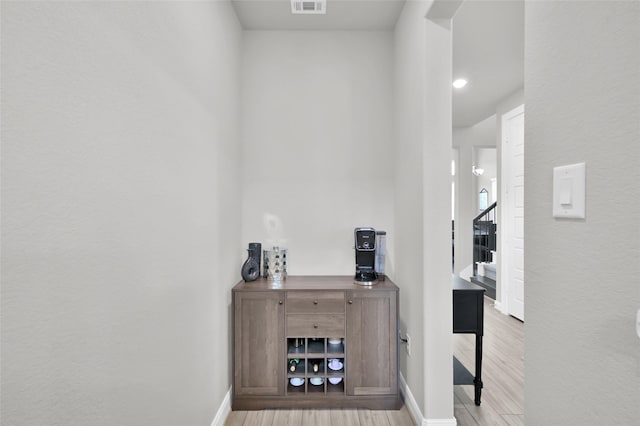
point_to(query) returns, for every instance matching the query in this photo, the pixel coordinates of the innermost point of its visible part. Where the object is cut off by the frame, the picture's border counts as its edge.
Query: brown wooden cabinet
(313, 342)
(259, 343)
(372, 337)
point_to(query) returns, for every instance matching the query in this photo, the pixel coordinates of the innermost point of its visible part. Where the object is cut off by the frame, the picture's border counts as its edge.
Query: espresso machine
(365, 245)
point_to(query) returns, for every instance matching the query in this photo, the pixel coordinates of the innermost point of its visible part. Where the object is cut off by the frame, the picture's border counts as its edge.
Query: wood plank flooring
(502, 372)
(327, 417)
(502, 396)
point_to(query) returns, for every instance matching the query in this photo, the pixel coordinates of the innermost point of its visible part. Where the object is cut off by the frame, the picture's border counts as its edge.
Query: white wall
(423, 191)
(437, 296)
(466, 140)
(318, 146)
(120, 232)
(485, 158)
(582, 90)
(409, 136)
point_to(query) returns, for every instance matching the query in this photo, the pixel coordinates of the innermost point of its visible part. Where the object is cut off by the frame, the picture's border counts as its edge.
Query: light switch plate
(569, 191)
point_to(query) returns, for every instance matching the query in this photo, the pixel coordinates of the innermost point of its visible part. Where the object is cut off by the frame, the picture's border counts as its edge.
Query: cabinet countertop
(309, 282)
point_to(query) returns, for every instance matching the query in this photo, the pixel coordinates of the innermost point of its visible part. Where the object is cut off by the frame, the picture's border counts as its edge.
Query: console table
(315, 342)
(468, 317)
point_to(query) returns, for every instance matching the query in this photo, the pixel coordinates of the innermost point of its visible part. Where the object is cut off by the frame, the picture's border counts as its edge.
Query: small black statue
(251, 267)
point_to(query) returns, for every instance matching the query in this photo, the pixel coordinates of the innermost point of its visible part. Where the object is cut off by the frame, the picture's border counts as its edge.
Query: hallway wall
(317, 144)
(466, 139)
(409, 189)
(582, 90)
(423, 158)
(120, 193)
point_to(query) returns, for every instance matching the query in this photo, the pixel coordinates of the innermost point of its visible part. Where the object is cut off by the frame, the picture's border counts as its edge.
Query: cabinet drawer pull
(279, 302)
(315, 302)
(315, 325)
(351, 302)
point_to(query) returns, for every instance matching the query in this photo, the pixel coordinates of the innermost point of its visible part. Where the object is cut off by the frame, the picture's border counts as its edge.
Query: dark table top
(461, 284)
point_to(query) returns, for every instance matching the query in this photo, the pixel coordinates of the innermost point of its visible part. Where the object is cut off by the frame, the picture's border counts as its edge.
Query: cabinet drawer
(300, 325)
(310, 302)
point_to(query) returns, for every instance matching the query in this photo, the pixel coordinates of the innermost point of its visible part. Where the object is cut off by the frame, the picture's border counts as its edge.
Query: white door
(513, 123)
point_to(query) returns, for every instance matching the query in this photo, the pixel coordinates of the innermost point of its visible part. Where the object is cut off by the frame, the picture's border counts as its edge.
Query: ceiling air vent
(309, 7)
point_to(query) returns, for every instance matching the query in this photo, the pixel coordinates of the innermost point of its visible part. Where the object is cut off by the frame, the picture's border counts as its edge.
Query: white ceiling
(488, 51)
(488, 41)
(341, 15)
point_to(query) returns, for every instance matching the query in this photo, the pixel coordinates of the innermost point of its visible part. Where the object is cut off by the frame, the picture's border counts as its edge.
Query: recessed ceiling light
(459, 83)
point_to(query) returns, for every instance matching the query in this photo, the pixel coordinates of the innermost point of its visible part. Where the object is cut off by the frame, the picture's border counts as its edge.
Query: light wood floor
(502, 372)
(502, 396)
(328, 417)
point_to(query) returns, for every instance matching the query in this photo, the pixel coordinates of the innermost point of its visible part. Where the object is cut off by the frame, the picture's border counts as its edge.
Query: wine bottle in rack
(293, 364)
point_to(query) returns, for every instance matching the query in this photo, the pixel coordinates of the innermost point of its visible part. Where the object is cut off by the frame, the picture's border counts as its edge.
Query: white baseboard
(500, 307)
(223, 410)
(414, 410)
(466, 273)
(441, 422)
(410, 402)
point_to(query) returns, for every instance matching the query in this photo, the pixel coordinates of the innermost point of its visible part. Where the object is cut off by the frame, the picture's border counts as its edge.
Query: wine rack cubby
(315, 366)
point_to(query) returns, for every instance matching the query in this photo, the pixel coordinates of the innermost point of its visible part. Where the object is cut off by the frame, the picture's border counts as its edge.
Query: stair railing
(484, 236)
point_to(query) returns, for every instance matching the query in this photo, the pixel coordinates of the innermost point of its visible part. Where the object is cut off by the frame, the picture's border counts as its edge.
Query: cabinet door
(259, 347)
(371, 343)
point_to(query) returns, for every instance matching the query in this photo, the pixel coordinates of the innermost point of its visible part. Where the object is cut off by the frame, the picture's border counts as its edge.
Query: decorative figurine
(251, 267)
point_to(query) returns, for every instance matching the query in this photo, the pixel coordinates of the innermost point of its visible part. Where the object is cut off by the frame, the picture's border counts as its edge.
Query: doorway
(512, 217)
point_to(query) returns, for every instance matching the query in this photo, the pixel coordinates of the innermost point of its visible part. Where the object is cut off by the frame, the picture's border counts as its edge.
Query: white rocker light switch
(569, 191)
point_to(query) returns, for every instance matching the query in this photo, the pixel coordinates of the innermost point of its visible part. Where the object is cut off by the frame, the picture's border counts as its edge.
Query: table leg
(477, 381)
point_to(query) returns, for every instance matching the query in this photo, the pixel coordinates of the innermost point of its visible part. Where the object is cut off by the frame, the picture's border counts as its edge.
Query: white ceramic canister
(275, 263)
(381, 252)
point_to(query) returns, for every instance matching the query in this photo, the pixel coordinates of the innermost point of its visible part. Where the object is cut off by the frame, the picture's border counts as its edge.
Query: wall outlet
(408, 344)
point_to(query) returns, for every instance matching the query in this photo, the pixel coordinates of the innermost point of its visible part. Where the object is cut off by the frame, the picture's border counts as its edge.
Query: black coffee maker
(365, 246)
